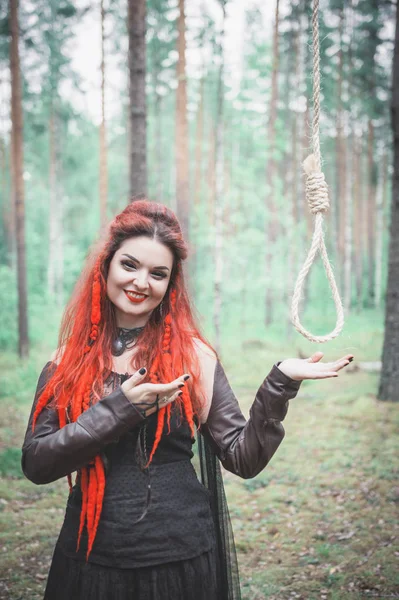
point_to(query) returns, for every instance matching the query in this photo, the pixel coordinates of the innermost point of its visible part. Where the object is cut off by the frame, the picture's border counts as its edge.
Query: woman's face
(138, 277)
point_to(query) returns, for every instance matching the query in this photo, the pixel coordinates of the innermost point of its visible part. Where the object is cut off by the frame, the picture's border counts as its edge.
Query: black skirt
(190, 579)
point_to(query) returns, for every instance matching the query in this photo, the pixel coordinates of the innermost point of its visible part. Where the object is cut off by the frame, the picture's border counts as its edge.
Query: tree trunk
(292, 197)
(159, 147)
(182, 169)
(18, 185)
(370, 213)
(340, 181)
(199, 138)
(211, 179)
(389, 382)
(348, 231)
(53, 228)
(358, 229)
(55, 251)
(103, 133)
(59, 275)
(137, 95)
(271, 230)
(349, 180)
(198, 145)
(219, 188)
(379, 228)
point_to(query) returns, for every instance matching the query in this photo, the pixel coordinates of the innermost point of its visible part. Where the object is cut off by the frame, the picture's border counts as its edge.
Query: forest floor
(320, 522)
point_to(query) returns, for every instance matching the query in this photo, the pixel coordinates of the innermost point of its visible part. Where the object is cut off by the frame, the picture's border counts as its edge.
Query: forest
(207, 106)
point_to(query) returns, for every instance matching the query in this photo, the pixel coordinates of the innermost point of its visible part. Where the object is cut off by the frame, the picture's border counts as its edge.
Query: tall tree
(346, 209)
(103, 130)
(358, 234)
(379, 226)
(389, 382)
(199, 137)
(219, 187)
(182, 165)
(137, 96)
(340, 148)
(272, 221)
(18, 187)
(161, 65)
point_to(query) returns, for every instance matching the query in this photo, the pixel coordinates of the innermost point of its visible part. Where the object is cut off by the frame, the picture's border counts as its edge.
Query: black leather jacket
(244, 447)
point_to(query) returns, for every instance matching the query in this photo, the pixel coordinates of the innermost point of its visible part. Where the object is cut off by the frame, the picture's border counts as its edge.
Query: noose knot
(316, 186)
(317, 193)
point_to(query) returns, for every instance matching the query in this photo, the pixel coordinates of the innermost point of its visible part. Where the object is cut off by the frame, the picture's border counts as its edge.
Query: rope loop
(317, 198)
(318, 245)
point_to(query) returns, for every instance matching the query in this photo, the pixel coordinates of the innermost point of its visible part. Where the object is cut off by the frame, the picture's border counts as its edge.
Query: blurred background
(206, 106)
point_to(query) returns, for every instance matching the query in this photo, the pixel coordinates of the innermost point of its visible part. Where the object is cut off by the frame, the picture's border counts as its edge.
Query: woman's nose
(140, 282)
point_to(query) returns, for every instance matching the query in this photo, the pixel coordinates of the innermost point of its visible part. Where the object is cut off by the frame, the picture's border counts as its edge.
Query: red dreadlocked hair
(89, 325)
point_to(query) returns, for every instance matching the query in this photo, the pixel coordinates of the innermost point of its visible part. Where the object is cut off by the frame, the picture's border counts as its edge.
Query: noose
(317, 198)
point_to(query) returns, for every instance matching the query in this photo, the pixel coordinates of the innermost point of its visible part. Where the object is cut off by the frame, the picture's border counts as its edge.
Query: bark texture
(219, 190)
(103, 133)
(182, 169)
(272, 229)
(18, 184)
(389, 382)
(137, 108)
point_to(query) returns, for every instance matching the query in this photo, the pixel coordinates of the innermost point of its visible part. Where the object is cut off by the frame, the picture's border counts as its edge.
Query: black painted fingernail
(180, 394)
(142, 371)
(181, 385)
(186, 377)
(350, 359)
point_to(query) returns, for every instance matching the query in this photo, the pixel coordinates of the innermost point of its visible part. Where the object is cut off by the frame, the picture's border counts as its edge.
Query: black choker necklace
(125, 339)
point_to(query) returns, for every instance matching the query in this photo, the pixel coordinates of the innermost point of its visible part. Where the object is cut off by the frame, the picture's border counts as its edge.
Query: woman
(120, 402)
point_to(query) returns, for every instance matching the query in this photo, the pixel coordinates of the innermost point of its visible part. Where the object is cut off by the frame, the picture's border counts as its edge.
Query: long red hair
(88, 327)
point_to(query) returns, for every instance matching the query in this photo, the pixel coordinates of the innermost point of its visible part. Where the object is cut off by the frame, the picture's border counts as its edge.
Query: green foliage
(10, 463)
(246, 150)
(8, 313)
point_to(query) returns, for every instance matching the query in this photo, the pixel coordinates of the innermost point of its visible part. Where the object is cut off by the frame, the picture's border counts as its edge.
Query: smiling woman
(138, 523)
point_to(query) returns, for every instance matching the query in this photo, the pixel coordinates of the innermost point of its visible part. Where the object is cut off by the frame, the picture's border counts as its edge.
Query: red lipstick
(133, 299)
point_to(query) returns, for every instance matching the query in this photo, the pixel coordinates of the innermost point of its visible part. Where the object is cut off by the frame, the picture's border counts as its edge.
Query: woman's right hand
(149, 397)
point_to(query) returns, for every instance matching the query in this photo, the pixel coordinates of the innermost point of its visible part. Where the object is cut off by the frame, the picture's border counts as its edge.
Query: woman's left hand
(311, 368)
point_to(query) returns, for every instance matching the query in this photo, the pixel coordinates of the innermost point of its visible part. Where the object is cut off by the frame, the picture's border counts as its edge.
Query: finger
(340, 364)
(175, 396)
(347, 357)
(168, 388)
(325, 375)
(165, 400)
(136, 378)
(337, 364)
(316, 357)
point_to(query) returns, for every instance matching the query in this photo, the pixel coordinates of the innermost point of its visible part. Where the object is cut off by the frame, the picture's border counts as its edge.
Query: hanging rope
(317, 198)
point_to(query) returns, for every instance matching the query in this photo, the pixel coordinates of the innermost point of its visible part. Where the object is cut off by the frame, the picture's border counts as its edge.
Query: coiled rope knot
(316, 187)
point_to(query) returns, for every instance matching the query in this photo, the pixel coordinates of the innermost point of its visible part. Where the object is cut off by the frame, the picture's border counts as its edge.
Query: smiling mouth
(133, 297)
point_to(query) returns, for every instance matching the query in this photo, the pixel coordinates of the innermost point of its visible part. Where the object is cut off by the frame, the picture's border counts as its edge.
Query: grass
(319, 522)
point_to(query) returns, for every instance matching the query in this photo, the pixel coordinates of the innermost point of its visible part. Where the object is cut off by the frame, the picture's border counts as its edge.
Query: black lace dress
(163, 534)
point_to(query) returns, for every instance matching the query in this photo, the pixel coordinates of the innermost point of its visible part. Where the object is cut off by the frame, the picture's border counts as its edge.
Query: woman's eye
(128, 264)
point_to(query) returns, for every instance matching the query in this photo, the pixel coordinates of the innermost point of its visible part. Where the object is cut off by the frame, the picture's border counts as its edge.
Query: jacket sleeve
(51, 453)
(246, 447)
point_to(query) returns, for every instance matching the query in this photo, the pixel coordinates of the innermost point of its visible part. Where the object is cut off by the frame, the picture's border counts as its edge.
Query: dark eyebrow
(138, 262)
